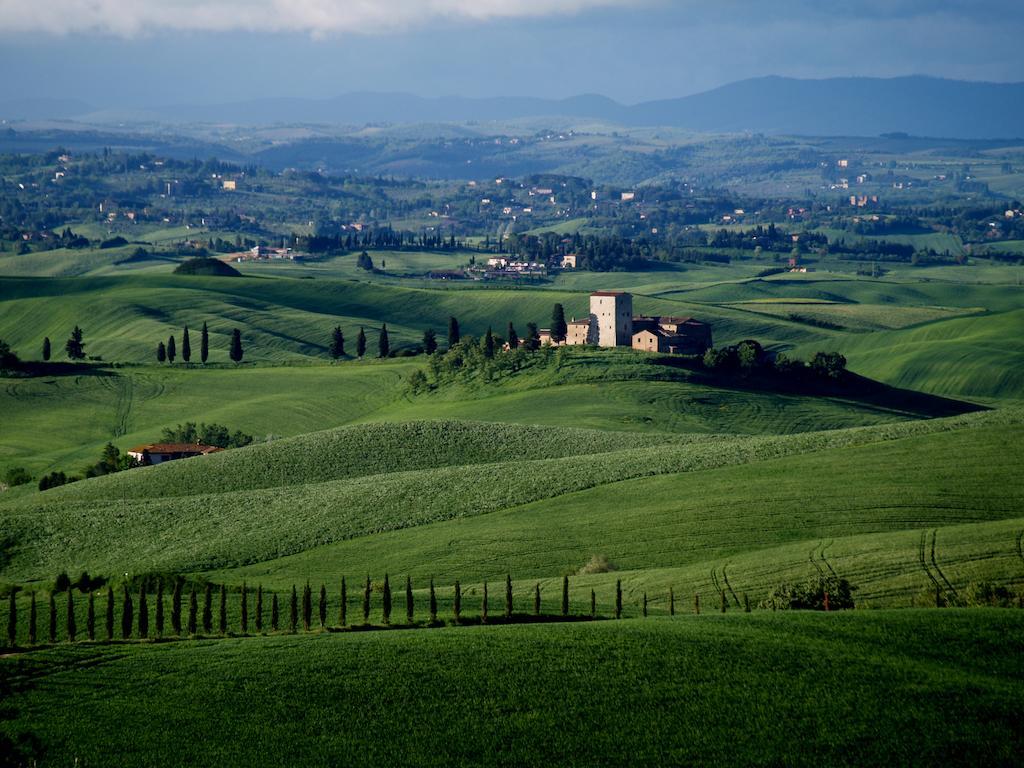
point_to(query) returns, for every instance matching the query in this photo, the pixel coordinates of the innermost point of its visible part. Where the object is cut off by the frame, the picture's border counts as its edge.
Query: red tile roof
(176, 448)
(609, 293)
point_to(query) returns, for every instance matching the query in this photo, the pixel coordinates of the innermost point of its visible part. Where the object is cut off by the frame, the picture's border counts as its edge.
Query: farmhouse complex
(158, 453)
(611, 323)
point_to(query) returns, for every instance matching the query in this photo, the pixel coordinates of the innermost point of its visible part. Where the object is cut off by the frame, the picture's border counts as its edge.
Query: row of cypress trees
(192, 620)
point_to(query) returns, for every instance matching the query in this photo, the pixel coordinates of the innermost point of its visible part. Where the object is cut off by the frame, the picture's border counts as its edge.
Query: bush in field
(597, 564)
(810, 596)
(17, 476)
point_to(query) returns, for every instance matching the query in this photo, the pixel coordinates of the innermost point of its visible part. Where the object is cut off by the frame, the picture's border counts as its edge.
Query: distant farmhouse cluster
(158, 453)
(611, 323)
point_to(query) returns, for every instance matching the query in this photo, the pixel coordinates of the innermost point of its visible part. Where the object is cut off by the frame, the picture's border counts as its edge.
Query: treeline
(376, 238)
(168, 352)
(749, 358)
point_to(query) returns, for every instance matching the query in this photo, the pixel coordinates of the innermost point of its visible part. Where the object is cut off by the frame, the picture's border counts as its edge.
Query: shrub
(810, 596)
(597, 564)
(53, 480)
(17, 476)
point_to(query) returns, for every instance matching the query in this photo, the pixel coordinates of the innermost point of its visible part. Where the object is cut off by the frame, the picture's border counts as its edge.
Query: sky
(138, 53)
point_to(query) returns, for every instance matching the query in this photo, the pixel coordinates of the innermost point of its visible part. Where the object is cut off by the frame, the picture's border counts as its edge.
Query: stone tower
(611, 319)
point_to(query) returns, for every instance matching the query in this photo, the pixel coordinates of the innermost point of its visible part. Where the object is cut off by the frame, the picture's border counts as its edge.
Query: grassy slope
(762, 689)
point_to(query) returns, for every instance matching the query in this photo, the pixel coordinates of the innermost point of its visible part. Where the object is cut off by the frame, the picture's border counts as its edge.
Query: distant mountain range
(920, 106)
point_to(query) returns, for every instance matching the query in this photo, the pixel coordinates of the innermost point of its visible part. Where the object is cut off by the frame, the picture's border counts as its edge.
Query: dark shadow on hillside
(850, 387)
(35, 369)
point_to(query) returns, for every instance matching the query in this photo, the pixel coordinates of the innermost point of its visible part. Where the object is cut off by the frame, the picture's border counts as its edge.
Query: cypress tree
(244, 617)
(161, 352)
(508, 595)
(618, 598)
(483, 606)
(259, 608)
(429, 341)
(383, 342)
(159, 608)
(366, 601)
(593, 604)
(337, 348)
(746, 603)
(12, 619)
(386, 607)
(645, 605)
(671, 602)
(724, 603)
(343, 607)
(110, 614)
(433, 603)
(696, 603)
(453, 332)
(236, 352)
(457, 606)
(204, 344)
(222, 624)
(32, 621)
(193, 609)
(513, 338)
(90, 617)
(307, 607)
(536, 599)
(361, 343)
(489, 343)
(323, 606)
(53, 618)
(176, 607)
(46, 348)
(143, 612)
(208, 608)
(565, 595)
(171, 351)
(275, 614)
(126, 615)
(293, 612)
(558, 325)
(70, 625)
(186, 347)
(409, 608)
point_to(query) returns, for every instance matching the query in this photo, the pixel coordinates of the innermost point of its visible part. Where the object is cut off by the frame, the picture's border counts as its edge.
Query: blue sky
(134, 53)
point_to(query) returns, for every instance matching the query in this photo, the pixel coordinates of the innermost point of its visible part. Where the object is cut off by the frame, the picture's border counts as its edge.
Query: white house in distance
(158, 453)
(611, 323)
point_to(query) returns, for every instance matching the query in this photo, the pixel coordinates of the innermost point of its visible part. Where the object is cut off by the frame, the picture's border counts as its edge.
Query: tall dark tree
(409, 607)
(645, 605)
(593, 604)
(307, 607)
(186, 346)
(322, 606)
(508, 596)
(383, 342)
(558, 325)
(69, 623)
(532, 341)
(243, 620)
(453, 332)
(618, 598)
(293, 611)
(513, 338)
(193, 609)
(109, 622)
(361, 343)
(429, 341)
(143, 612)
(489, 343)
(12, 619)
(208, 608)
(457, 603)
(75, 347)
(275, 614)
(343, 604)
(33, 622)
(161, 352)
(222, 624)
(52, 606)
(433, 602)
(46, 348)
(126, 614)
(366, 600)
(236, 352)
(484, 606)
(204, 344)
(337, 348)
(159, 608)
(172, 351)
(565, 595)
(671, 602)
(386, 601)
(176, 608)
(259, 608)
(536, 599)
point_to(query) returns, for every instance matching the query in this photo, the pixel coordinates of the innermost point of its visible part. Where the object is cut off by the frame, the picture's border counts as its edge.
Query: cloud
(131, 18)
